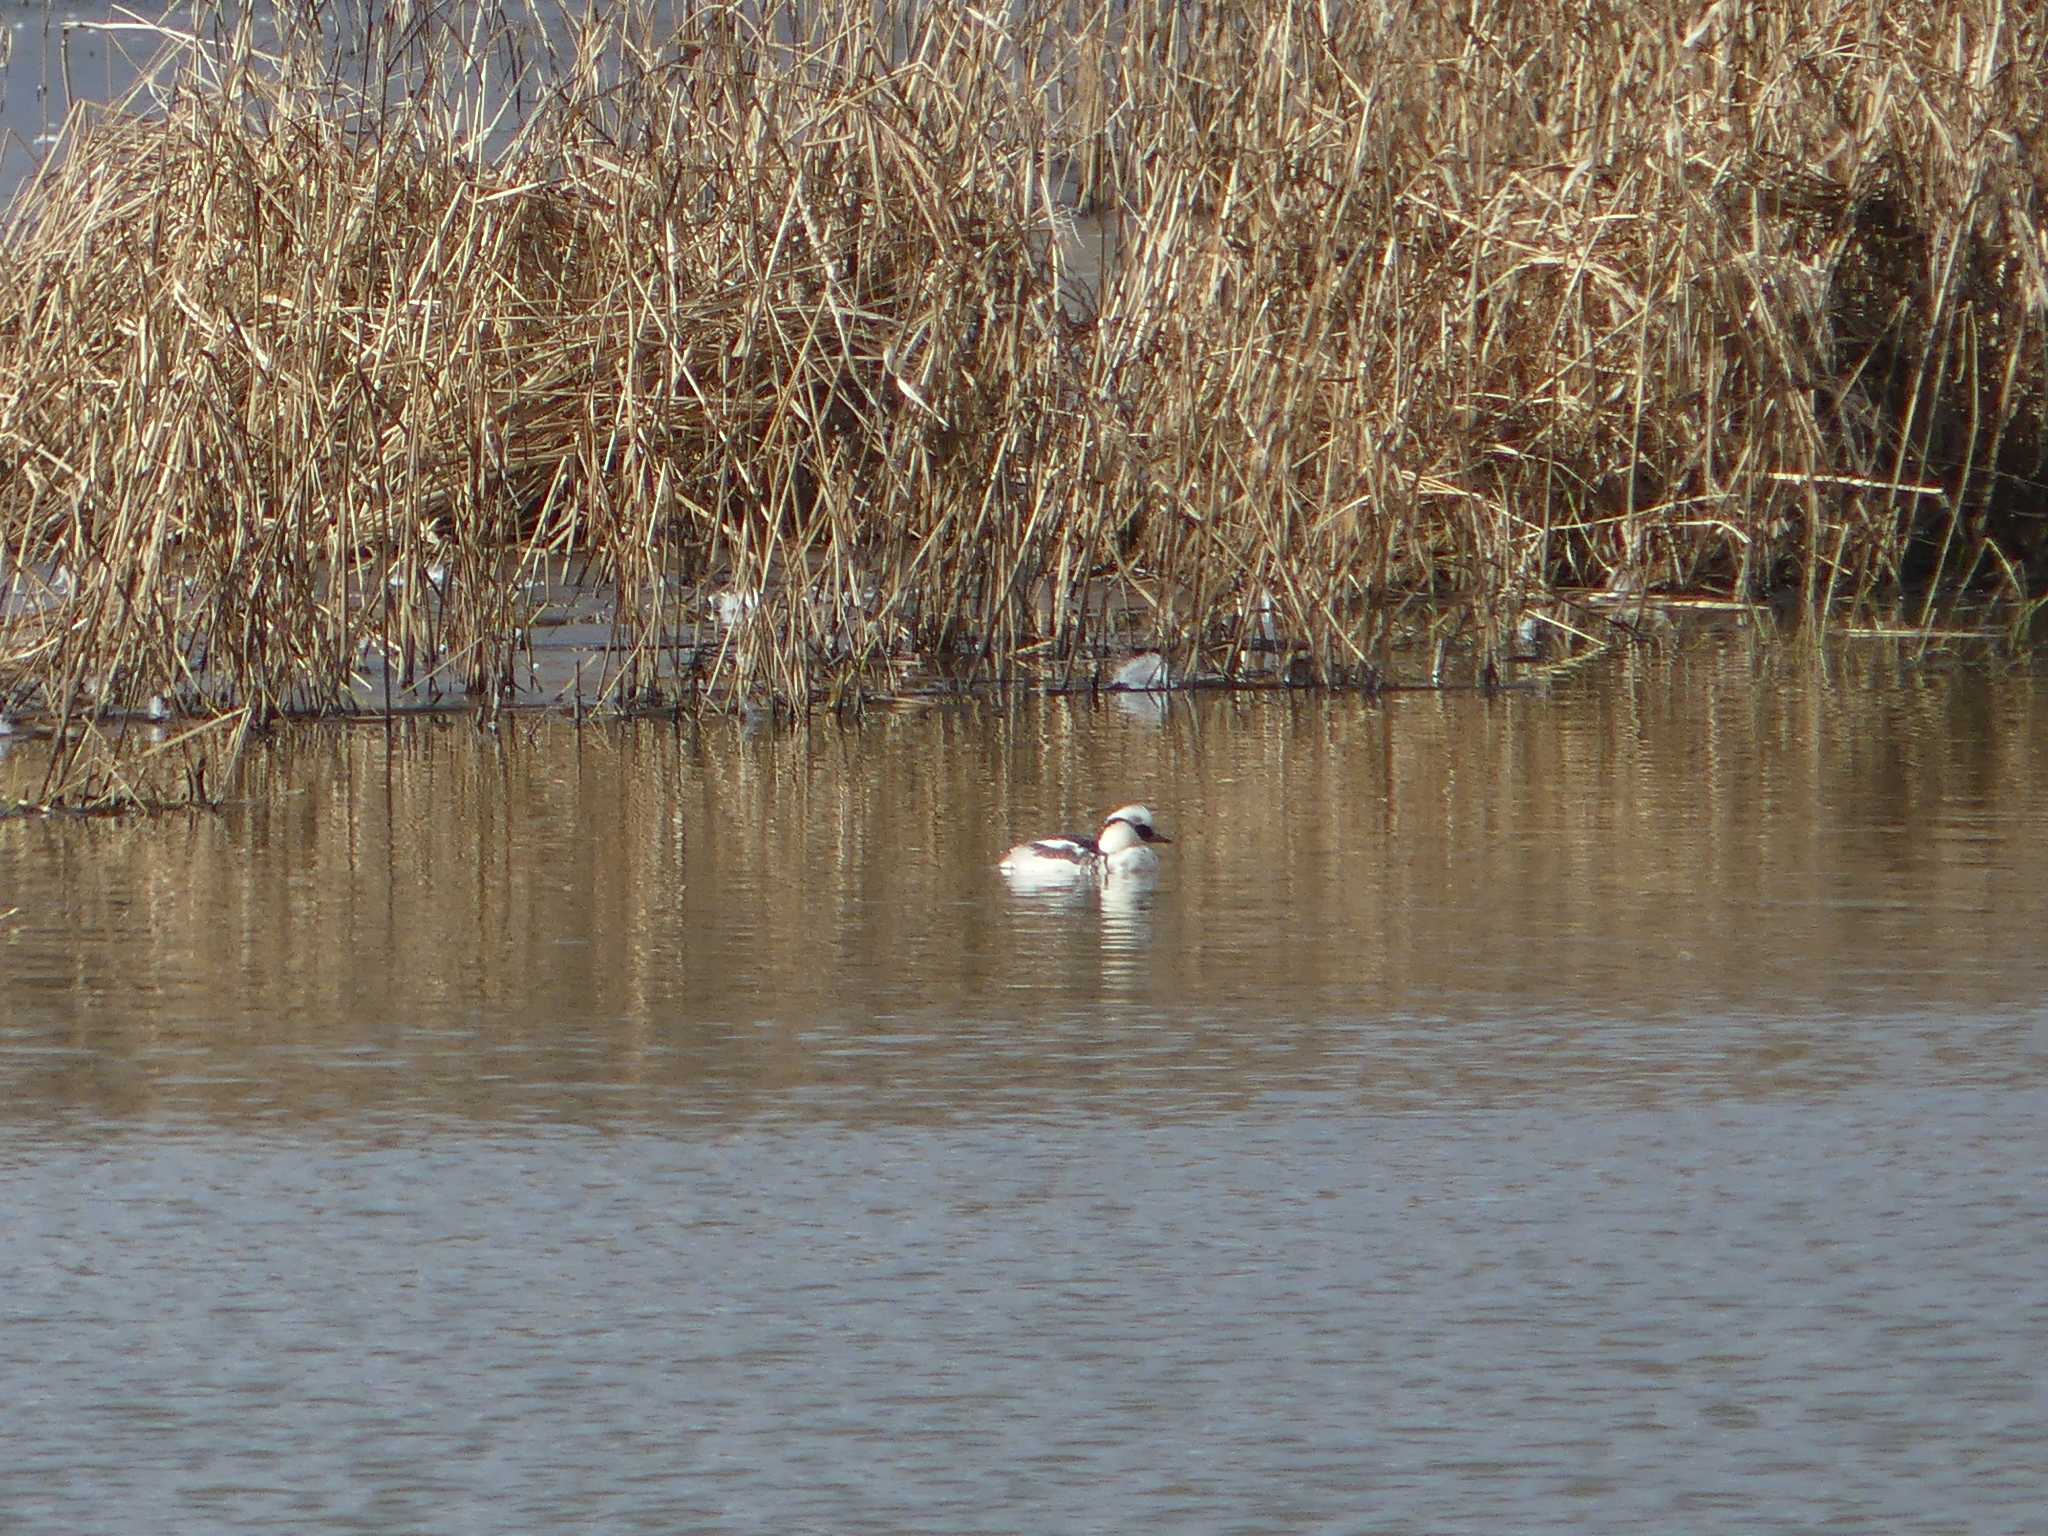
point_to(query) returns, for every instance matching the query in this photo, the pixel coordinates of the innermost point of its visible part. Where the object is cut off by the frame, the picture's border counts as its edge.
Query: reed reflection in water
(1444, 896)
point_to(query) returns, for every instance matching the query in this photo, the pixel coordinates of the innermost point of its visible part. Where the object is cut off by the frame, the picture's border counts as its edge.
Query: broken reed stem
(337, 349)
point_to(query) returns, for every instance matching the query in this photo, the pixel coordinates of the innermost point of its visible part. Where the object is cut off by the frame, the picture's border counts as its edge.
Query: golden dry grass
(1413, 317)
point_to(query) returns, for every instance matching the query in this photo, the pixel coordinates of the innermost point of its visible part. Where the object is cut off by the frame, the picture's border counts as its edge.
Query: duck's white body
(1122, 850)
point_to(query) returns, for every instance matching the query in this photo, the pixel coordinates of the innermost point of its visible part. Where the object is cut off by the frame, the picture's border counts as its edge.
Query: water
(1613, 1110)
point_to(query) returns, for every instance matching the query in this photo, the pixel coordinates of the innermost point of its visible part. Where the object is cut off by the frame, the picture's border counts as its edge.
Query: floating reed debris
(803, 343)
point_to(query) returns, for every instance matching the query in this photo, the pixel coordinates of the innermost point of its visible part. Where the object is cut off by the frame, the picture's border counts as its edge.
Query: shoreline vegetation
(802, 355)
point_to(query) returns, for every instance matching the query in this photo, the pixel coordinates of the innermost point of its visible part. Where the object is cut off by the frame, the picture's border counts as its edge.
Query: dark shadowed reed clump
(781, 327)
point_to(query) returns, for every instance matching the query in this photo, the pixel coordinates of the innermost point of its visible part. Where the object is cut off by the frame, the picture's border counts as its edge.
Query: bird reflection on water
(1126, 930)
(1050, 918)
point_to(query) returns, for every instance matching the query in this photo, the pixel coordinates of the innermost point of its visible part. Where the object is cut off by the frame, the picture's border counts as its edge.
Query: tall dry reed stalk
(1410, 317)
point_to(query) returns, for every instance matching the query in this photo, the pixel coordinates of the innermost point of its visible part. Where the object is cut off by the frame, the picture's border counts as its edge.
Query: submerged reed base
(789, 349)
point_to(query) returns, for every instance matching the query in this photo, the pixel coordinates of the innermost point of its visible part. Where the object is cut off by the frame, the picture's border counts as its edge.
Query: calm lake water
(1618, 1109)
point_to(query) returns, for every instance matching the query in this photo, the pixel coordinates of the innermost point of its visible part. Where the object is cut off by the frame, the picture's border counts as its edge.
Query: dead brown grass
(1412, 317)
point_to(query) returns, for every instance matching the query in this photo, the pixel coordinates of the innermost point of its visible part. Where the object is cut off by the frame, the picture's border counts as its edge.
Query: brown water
(1615, 1110)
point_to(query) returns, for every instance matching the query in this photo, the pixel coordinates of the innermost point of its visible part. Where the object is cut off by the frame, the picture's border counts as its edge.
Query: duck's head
(1137, 824)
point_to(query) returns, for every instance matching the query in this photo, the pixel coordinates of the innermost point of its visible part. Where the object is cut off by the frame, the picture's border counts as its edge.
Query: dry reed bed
(1415, 317)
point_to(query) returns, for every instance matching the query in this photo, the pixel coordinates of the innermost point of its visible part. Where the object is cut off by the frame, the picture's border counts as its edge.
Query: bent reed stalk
(355, 343)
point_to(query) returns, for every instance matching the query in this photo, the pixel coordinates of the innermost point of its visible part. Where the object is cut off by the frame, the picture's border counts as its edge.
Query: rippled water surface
(1614, 1109)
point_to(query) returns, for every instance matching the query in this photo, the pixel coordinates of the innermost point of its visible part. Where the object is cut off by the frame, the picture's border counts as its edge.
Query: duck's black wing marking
(1073, 849)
